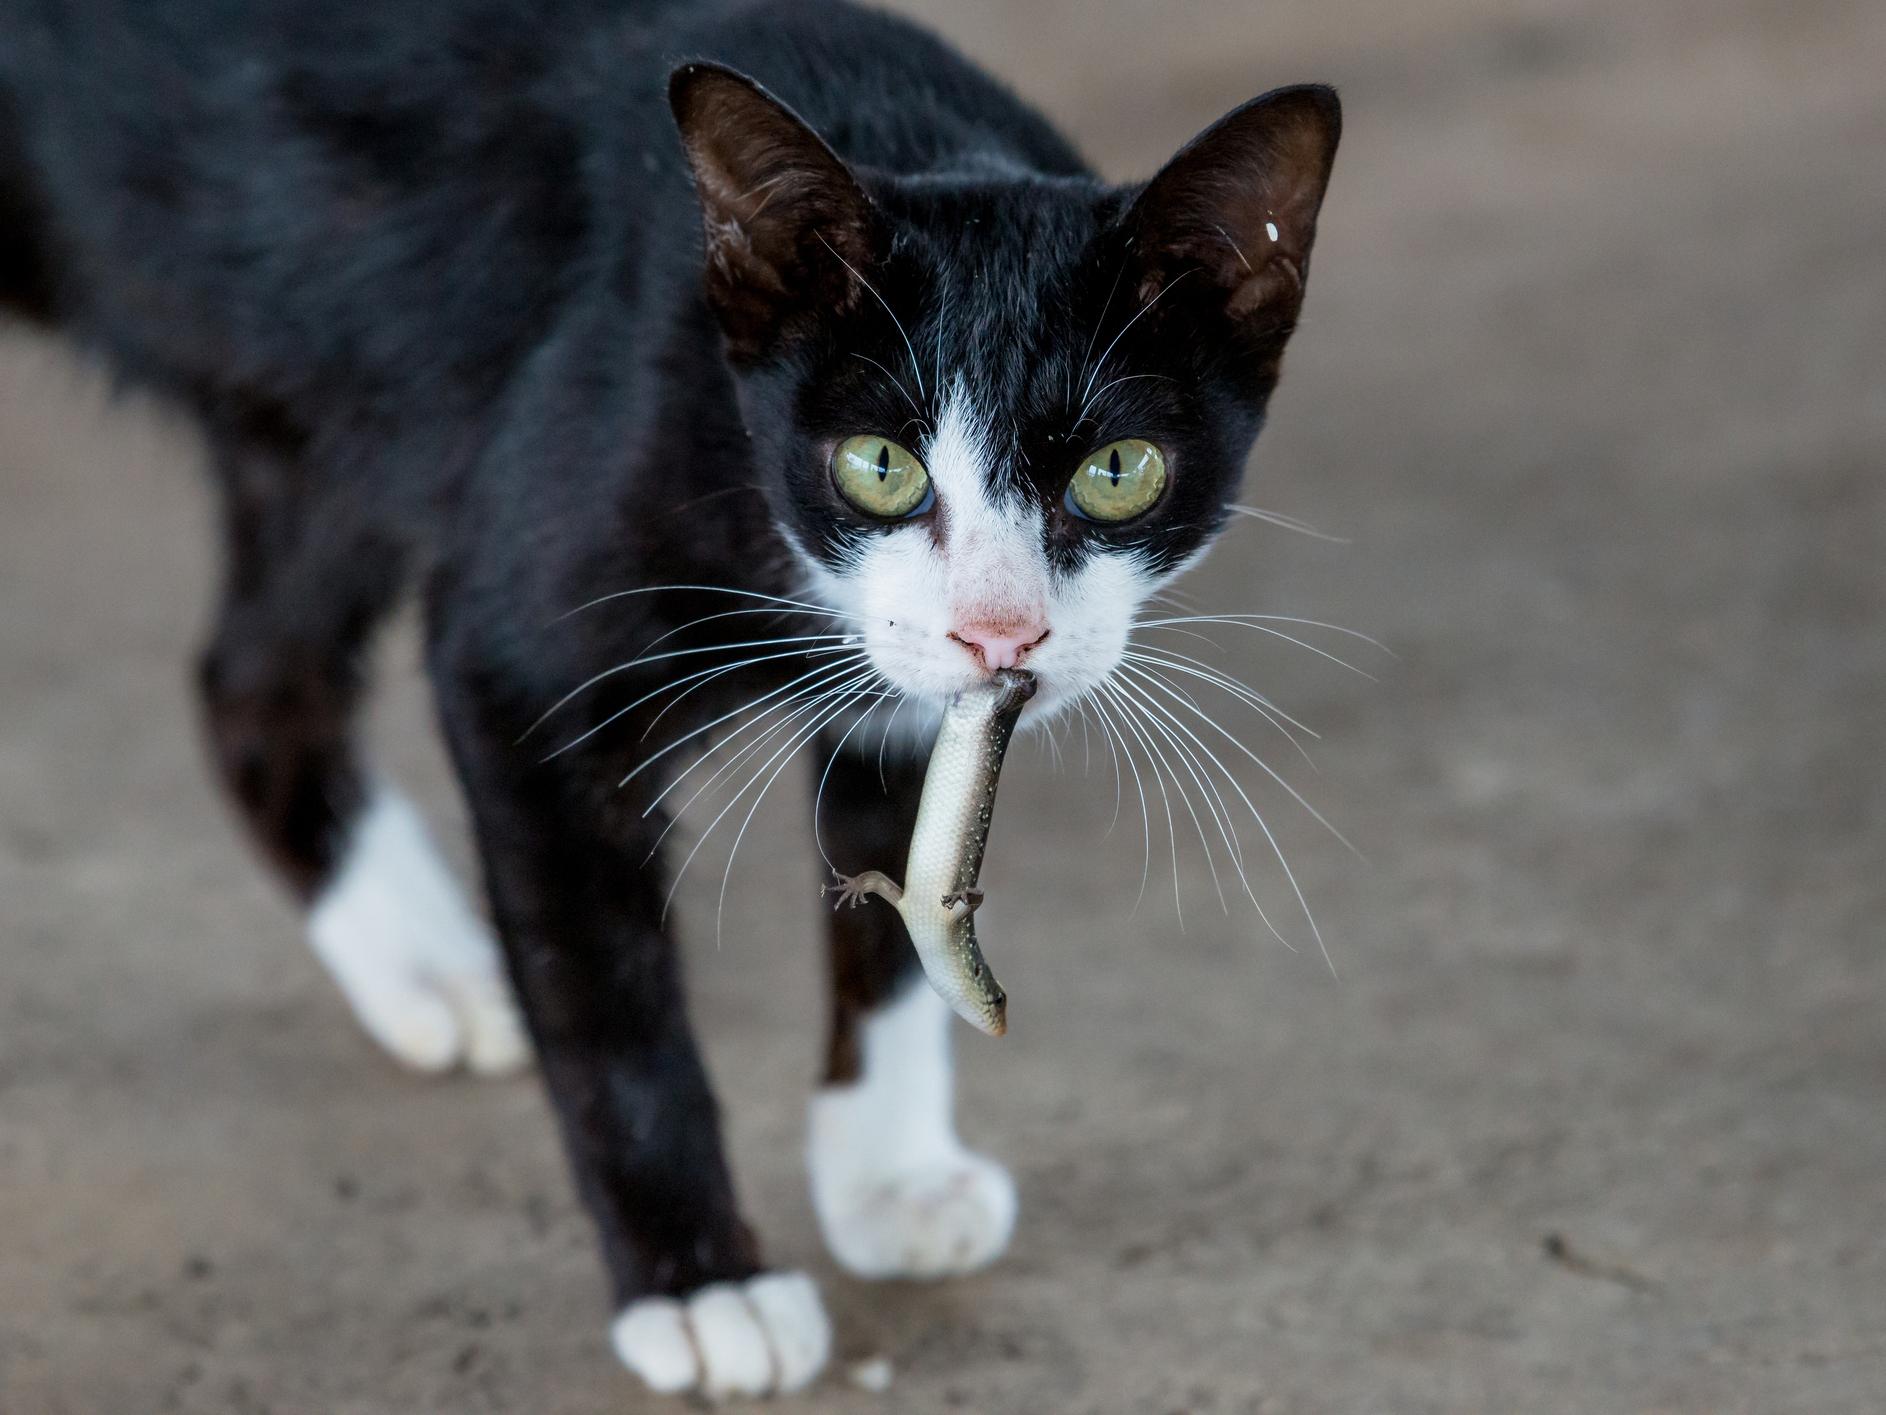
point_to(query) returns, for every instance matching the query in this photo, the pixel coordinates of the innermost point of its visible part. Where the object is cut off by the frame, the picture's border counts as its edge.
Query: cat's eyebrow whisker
(1288, 523)
(1099, 323)
(942, 323)
(1101, 391)
(1101, 362)
(896, 383)
(915, 367)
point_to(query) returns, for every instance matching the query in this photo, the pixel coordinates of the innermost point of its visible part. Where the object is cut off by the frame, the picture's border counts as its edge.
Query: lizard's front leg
(853, 888)
(970, 899)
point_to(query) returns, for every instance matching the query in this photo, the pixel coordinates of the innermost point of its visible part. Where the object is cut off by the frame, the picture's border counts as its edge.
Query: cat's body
(432, 277)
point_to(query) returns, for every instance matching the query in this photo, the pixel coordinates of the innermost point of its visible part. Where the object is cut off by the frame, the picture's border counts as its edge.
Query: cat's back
(398, 200)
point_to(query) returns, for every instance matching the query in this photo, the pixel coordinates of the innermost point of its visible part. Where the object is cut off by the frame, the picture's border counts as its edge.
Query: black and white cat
(720, 371)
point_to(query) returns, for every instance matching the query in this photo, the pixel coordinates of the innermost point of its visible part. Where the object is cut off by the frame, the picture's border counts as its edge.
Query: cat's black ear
(1238, 206)
(788, 227)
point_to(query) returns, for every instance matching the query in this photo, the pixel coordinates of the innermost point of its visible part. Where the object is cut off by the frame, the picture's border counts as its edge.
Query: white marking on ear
(896, 1193)
(420, 970)
(1270, 229)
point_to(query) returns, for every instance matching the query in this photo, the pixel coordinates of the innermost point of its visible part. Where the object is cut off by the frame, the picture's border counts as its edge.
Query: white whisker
(1276, 849)
(818, 796)
(784, 756)
(889, 722)
(806, 700)
(795, 738)
(1288, 523)
(1122, 748)
(1221, 814)
(699, 679)
(896, 383)
(714, 589)
(1172, 835)
(1255, 701)
(1101, 362)
(914, 366)
(647, 658)
(1190, 762)
(692, 733)
(1271, 772)
(1250, 621)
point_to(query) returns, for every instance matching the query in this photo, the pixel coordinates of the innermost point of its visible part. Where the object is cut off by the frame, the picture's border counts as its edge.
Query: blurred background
(1593, 382)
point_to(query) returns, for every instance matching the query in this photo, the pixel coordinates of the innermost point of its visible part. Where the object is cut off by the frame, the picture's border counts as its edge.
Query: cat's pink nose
(1000, 645)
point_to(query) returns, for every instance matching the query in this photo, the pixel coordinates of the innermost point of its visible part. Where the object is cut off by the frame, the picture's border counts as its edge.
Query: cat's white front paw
(765, 1335)
(951, 1215)
(419, 968)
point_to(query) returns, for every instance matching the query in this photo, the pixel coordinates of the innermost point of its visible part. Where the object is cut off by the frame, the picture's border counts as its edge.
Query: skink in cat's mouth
(939, 896)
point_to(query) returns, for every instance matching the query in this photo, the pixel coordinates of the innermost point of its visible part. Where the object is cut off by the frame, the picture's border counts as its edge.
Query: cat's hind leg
(896, 1192)
(308, 578)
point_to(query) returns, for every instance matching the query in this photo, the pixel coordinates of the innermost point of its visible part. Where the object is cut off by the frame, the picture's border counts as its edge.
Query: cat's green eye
(879, 477)
(1119, 481)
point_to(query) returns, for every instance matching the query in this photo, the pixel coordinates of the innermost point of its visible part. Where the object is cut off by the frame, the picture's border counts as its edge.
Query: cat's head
(999, 410)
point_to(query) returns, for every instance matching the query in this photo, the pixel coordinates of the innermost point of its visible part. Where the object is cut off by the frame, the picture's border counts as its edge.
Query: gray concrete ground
(1595, 1119)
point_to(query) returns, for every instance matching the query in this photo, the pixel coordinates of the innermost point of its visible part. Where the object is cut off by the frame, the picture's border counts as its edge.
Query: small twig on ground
(1559, 1249)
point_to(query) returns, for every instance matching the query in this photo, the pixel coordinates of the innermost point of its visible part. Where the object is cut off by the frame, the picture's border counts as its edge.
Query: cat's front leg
(897, 1194)
(579, 909)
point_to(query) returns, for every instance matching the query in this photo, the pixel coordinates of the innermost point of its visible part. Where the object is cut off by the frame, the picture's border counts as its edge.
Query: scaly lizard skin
(939, 898)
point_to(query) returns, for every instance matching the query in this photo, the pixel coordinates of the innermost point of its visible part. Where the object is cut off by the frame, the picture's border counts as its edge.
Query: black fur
(432, 275)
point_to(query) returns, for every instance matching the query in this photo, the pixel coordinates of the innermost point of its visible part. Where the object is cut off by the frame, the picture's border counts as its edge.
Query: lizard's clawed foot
(850, 889)
(970, 899)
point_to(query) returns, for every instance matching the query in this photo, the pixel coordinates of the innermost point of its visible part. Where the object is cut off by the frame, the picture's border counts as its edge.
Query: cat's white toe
(766, 1335)
(494, 1042)
(952, 1215)
(651, 1338)
(419, 968)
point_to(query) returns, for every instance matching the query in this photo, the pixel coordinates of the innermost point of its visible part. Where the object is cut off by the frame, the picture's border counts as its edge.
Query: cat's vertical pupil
(884, 461)
(1113, 465)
